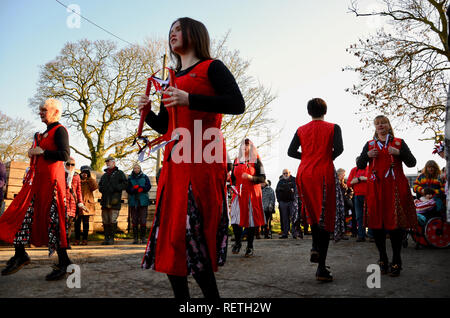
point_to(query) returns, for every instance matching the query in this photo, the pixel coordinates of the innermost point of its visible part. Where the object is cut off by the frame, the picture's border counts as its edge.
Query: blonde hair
(385, 119)
(437, 170)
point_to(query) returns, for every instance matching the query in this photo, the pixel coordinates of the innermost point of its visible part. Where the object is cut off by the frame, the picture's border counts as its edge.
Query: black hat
(85, 168)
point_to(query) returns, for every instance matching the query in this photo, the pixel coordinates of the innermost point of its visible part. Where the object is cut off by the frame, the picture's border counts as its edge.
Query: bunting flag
(438, 148)
(159, 85)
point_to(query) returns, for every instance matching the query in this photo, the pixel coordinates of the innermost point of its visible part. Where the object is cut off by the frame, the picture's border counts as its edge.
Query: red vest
(249, 192)
(389, 200)
(359, 188)
(208, 180)
(316, 172)
(49, 178)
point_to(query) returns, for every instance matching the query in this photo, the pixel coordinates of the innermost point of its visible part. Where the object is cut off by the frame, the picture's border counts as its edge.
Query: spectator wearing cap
(111, 185)
(88, 186)
(138, 202)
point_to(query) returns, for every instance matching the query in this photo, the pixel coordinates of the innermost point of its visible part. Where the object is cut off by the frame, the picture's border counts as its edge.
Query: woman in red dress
(246, 206)
(317, 183)
(37, 215)
(390, 205)
(189, 233)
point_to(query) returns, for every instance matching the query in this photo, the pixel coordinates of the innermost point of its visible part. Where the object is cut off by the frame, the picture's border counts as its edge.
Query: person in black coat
(286, 192)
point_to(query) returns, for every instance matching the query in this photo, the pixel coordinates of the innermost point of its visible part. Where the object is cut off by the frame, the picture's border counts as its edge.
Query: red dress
(250, 195)
(71, 200)
(48, 186)
(316, 174)
(390, 204)
(207, 179)
(359, 188)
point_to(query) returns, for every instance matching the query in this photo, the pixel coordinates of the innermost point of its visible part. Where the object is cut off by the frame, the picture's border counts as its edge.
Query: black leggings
(396, 237)
(237, 230)
(85, 220)
(320, 243)
(63, 258)
(205, 280)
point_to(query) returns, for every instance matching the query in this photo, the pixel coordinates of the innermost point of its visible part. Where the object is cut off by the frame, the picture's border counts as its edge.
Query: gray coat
(268, 198)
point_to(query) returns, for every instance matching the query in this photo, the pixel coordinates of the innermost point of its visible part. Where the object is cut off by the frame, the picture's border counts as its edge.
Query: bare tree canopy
(100, 84)
(16, 136)
(403, 70)
(256, 120)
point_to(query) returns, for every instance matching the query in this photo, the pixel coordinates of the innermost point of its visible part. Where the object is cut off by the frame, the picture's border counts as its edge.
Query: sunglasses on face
(70, 164)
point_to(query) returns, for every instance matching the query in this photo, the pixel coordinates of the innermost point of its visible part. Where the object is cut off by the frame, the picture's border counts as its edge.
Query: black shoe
(314, 256)
(143, 235)
(395, 270)
(236, 248)
(15, 264)
(283, 237)
(323, 274)
(135, 235)
(58, 272)
(10, 260)
(360, 239)
(248, 252)
(384, 267)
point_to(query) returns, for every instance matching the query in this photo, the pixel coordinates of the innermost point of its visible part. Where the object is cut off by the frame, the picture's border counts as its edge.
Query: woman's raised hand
(372, 153)
(143, 101)
(393, 151)
(177, 97)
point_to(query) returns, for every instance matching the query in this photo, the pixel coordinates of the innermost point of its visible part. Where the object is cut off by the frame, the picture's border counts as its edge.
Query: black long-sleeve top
(258, 177)
(405, 155)
(62, 153)
(338, 146)
(228, 98)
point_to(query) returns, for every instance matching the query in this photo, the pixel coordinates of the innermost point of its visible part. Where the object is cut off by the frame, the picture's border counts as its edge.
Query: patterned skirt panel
(197, 256)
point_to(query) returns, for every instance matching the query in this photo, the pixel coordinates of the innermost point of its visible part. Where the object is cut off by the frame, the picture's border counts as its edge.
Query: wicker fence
(15, 172)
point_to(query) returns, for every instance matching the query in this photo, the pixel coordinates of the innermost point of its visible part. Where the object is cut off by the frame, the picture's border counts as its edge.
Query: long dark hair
(195, 35)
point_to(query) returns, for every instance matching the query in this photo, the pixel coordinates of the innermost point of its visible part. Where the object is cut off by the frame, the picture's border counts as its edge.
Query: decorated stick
(145, 110)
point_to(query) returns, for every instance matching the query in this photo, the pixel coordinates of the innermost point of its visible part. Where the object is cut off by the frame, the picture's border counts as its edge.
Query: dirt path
(280, 268)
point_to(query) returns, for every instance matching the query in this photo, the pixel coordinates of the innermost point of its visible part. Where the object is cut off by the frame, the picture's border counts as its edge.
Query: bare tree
(16, 136)
(256, 120)
(403, 71)
(100, 83)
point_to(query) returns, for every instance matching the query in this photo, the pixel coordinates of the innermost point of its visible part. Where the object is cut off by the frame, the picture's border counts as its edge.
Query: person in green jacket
(111, 185)
(138, 202)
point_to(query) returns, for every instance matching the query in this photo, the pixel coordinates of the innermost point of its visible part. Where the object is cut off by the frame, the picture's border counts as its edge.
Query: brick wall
(16, 170)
